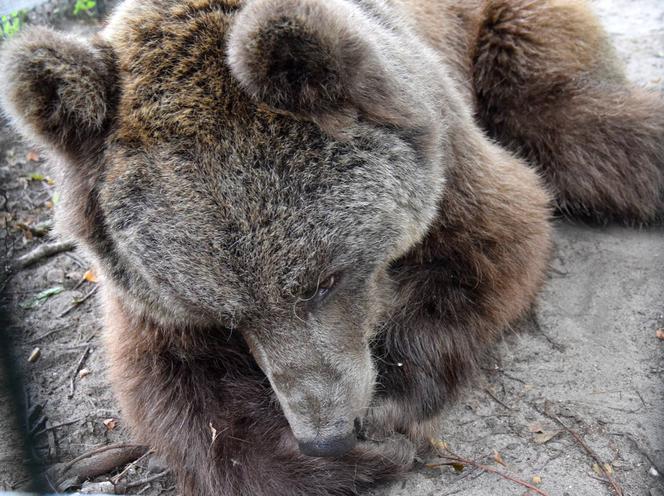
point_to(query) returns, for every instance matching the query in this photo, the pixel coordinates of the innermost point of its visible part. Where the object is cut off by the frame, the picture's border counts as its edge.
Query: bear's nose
(330, 447)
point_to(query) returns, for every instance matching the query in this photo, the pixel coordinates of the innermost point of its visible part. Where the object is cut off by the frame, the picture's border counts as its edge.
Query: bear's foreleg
(476, 273)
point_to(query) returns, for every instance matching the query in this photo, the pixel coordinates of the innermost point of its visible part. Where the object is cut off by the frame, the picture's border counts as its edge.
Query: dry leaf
(32, 156)
(34, 356)
(545, 437)
(90, 276)
(537, 479)
(110, 423)
(458, 467)
(660, 333)
(498, 458)
(536, 427)
(597, 469)
(84, 373)
(36, 176)
(608, 468)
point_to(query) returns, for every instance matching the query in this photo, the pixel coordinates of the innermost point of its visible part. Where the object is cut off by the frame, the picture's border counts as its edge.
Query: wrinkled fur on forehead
(331, 62)
(259, 223)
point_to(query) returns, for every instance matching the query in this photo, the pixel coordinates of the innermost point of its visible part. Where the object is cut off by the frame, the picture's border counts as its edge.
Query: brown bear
(313, 217)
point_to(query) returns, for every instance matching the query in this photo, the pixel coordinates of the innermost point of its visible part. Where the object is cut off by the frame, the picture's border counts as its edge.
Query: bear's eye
(325, 287)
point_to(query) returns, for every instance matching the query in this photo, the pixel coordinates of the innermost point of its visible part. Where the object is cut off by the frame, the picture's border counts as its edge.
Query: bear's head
(249, 167)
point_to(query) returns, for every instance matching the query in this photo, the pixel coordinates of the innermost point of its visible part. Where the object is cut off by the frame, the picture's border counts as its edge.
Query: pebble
(34, 356)
(55, 275)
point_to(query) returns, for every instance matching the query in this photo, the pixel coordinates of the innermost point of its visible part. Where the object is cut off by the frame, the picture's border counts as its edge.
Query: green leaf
(41, 297)
(84, 6)
(55, 199)
(11, 24)
(36, 176)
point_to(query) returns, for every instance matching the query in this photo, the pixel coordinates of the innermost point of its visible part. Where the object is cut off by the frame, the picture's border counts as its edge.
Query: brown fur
(222, 159)
(550, 88)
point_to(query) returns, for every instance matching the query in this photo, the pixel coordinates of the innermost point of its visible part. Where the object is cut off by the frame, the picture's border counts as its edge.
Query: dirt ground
(588, 358)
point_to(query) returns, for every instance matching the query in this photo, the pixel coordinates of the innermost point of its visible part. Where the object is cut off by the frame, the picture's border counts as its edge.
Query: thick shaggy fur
(223, 161)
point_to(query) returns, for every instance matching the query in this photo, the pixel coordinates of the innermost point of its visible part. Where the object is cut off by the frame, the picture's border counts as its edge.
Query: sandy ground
(588, 357)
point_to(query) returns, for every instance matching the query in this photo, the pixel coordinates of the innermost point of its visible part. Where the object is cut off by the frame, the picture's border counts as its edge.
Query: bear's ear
(313, 57)
(56, 89)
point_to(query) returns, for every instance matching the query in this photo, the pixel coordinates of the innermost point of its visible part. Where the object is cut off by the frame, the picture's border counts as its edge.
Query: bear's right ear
(318, 58)
(56, 89)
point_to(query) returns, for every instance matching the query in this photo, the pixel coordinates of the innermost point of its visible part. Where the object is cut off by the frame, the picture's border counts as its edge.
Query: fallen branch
(94, 463)
(453, 458)
(43, 251)
(579, 440)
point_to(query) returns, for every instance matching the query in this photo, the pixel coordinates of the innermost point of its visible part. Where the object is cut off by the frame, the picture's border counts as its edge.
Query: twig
(57, 426)
(538, 327)
(72, 383)
(43, 251)
(118, 477)
(49, 333)
(445, 452)
(78, 302)
(147, 480)
(496, 399)
(579, 440)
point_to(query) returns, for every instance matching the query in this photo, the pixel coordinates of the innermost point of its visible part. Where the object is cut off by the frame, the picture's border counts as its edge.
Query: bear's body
(304, 232)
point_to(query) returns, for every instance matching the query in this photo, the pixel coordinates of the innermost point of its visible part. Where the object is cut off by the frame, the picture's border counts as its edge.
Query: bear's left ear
(56, 89)
(317, 58)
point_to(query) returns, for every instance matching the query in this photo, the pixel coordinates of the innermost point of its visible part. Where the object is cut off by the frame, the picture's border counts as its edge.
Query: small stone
(110, 423)
(84, 372)
(653, 472)
(55, 275)
(34, 356)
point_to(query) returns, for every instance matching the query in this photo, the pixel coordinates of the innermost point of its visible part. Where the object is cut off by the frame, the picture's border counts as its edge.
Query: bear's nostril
(329, 447)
